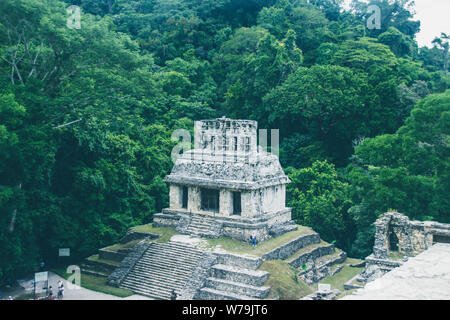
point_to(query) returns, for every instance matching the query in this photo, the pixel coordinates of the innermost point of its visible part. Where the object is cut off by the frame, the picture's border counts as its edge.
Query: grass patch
(116, 247)
(395, 256)
(282, 282)
(165, 232)
(96, 259)
(338, 280)
(237, 246)
(96, 283)
(308, 248)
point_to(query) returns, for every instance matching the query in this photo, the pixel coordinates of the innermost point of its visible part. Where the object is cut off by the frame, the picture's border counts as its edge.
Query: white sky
(434, 16)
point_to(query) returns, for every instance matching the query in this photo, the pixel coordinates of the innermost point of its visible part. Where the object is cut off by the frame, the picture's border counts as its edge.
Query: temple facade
(227, 186)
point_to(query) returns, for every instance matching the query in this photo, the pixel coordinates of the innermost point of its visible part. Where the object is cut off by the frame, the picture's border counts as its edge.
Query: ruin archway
(393, 241)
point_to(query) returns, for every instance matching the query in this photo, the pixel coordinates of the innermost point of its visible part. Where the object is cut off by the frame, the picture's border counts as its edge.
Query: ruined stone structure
(395, 233)
(226, 186)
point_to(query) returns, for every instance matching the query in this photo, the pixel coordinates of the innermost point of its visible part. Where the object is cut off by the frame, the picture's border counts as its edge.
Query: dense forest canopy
(86, 115)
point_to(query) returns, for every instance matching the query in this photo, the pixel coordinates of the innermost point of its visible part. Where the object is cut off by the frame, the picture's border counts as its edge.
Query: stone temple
(227, 186)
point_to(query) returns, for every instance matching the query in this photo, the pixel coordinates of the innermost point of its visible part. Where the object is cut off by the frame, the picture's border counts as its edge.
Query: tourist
(50, 293)
(253, 238)
(61, 291)
(173, 295)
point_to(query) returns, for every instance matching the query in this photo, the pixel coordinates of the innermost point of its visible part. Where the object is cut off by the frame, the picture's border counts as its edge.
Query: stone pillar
(225, 203)
(250, 203)
(194, 199)
(174, 195)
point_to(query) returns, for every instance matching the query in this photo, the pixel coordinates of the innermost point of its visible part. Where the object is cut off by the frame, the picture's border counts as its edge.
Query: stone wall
(119, 274)
(288, 249)
(413, 236)
(312, 254)
(175, 196)
(197, 278)
(194, 199)
(240, 261)
(225, 203)
(132, 235)
(106, 254)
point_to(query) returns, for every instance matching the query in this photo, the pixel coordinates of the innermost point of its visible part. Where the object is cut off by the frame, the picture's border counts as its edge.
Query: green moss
(282, 281)
(95, 258)
(241, 247)
(116, 247)
(338, 280)
(395, 256)
(165, 232)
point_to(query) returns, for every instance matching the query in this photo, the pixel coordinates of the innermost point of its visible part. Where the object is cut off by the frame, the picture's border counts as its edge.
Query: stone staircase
(235, 277)
(313, 258)
(322, 267)
(200, 226)
(162, 268)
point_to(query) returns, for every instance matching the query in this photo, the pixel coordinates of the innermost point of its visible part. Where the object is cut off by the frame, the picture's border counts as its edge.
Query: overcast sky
(434, 16)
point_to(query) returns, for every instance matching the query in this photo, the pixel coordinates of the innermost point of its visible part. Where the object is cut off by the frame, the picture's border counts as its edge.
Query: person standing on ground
(59, 289)
(50, 293)
(253, 237)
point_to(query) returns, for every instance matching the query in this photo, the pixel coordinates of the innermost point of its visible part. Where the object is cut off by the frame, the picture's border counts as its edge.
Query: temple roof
(226, 156)
(227, 171)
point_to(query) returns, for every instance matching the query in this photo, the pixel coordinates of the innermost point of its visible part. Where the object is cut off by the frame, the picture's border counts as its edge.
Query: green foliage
(407, 170)
(319, 199)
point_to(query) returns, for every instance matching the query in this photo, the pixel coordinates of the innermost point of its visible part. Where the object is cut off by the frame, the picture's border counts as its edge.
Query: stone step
(314, 253)
(246, 276)
(155, 296)
(169, 263)
(162, 268)
(237, 288)
(150, 292)
(175, 246)
(155, 271)
(154, 284)
(172, 253)
(331, 259)
(171, 257)
(205, 226)
(180, 255)
(152, 270)
(288, 249)
(240, 261)
(211, 294)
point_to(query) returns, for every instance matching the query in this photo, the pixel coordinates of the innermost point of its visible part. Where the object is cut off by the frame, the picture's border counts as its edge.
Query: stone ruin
(396, 234)
(227, 186)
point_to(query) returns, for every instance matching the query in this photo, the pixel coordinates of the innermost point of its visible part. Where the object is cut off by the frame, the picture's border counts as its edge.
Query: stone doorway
(393, 242)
